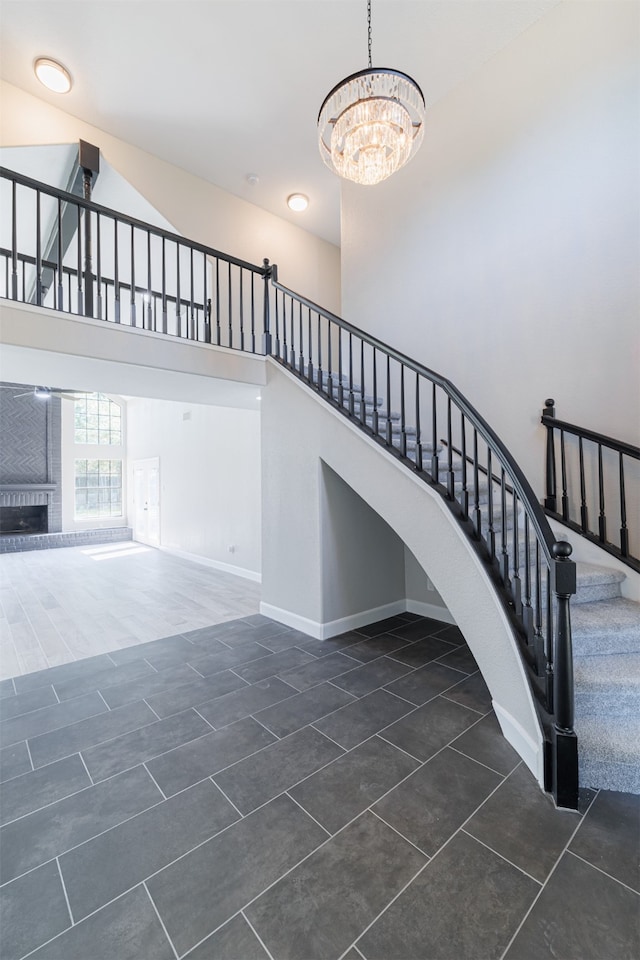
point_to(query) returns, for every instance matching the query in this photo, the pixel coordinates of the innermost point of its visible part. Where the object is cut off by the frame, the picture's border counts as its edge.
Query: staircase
(605, 625)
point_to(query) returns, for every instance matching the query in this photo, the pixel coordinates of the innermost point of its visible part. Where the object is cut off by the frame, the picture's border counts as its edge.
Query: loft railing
(123, 270)
(415, 414)
(594, 481)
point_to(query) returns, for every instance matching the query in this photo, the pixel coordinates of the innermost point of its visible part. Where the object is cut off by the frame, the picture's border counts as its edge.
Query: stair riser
(623, 777)
(612, 701)
(605, 644)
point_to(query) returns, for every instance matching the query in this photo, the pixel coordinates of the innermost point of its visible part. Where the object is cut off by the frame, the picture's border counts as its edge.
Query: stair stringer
(300, 431)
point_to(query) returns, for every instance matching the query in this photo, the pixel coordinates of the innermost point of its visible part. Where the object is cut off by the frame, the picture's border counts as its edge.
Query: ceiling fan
(45, 393)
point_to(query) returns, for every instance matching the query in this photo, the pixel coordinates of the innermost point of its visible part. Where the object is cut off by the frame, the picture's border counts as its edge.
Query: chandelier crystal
(371, 123)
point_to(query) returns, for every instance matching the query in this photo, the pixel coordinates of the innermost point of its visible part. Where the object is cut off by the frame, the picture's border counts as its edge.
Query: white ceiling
(227, 88)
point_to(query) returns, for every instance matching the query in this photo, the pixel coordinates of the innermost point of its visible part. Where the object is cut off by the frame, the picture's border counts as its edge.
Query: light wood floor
(66, 604)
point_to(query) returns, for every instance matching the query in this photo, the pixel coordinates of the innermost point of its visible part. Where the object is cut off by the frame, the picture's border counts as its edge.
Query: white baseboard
(216, 564)
(431, 610)
(332, 628)
(531, 752)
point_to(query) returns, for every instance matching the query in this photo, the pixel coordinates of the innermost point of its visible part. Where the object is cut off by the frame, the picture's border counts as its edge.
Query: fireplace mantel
(27, 487)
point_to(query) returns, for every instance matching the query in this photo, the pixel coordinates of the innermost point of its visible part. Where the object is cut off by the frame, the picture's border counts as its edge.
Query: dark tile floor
(243, 792)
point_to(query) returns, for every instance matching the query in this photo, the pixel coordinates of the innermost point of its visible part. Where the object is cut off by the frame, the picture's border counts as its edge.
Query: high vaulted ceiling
(228, 88)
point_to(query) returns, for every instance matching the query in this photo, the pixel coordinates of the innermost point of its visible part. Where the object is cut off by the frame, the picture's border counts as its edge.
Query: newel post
(565, 767)
(550, 498)
(266, 336)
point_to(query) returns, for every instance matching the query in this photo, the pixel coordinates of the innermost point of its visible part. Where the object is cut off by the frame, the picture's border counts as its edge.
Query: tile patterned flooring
(62, 605)
(242, 792)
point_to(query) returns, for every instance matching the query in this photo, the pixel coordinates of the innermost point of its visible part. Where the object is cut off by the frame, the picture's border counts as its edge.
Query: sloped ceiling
(227, 88)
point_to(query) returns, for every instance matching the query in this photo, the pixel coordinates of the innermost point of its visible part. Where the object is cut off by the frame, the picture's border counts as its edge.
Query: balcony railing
(595, 471)
(146, 277)
(122, 270)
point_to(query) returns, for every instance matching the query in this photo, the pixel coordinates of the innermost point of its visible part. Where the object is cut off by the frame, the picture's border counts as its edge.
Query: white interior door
(146, 501)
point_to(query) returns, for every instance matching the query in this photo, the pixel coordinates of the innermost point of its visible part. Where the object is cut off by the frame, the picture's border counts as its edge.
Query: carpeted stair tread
(606, 627)
(609, 753)
(607, 685)
(596, 582)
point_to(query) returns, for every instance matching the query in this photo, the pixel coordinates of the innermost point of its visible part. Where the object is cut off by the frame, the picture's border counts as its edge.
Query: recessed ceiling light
(297, 202)
(52, 75)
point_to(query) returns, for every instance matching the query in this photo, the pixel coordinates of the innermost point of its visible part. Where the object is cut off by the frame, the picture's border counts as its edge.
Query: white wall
(197, 209)
(209, 478)
(422, 597)
(505, 256)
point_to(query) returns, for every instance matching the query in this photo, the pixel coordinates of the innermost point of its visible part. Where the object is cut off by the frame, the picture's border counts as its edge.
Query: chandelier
(371, 123)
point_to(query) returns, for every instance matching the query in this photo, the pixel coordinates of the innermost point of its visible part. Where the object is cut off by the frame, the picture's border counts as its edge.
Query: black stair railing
(157, 281)
(140, 276)
(593, 496)
(422, 419)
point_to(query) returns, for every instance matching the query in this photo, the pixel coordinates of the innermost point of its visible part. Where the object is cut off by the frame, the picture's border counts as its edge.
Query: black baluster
(503, 528)
(602, 519)
(133, 281)
(191, 328)
(218, 330)
(340, 383)
(178, 294)
(329, 362)
(351, 397)
(277, 320)
(241, 306)
(309, 348)
(527, 611)
(300, 345)
(418, 453)
(516, 582)
(624, 533)
(464, 493)
(165, 316)
(491, 535)
(403, 422)
(363, 405)
(319, 369)
(206, 300)
(60, 299)
(14, 242)
(285, 344)
(550, 499)
(99, 303)
(563, 470)
(80, 303)
(293, 338)
(374, 415)
(388, 410)
(253, 313)
(147, 300)
(584, 513)
(229, 306)
(38, 253)
(477, 514)
(435, 466)
(450, 477)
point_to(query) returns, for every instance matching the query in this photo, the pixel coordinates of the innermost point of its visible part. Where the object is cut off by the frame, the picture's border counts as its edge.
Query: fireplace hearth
(23, 521)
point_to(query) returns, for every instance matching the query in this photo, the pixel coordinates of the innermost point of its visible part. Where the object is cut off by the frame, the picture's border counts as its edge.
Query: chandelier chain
(369, 29)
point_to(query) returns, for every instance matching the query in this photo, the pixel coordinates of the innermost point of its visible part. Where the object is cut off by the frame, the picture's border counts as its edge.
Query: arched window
(98, 480)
